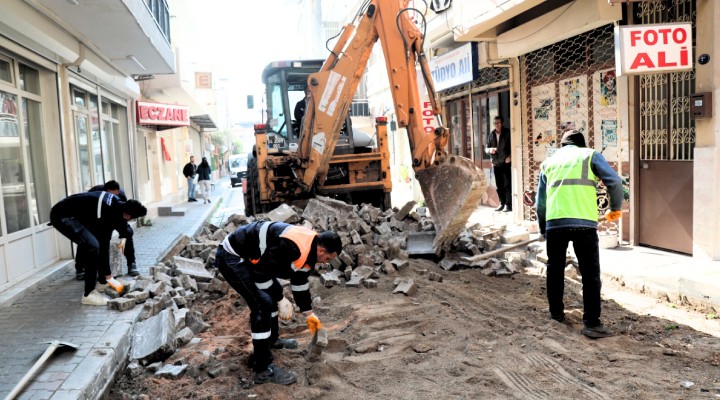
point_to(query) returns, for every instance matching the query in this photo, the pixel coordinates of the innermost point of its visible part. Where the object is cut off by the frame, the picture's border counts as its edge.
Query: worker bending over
(567, 211)
(88, 219)
(252, 259)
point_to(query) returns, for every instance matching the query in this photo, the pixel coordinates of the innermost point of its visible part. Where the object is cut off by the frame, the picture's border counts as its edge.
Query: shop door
(667, 143)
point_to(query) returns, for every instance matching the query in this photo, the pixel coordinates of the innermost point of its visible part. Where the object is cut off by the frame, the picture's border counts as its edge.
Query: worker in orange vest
(252, 259)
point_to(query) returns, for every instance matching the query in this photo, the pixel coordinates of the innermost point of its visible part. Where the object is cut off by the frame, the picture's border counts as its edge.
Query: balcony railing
(161, 14)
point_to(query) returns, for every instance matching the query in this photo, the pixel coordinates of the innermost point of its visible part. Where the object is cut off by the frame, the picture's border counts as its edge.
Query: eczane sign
(647, 49)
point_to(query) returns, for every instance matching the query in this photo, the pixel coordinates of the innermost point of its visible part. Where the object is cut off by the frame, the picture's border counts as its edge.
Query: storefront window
(5, 70)
(38, 177)
(29, 79)
(12, 170)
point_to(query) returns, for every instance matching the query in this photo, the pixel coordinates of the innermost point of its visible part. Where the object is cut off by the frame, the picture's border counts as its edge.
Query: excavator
(319, 152)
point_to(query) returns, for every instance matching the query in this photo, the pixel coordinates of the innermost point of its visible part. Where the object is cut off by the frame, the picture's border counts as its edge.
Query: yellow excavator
(312, 148)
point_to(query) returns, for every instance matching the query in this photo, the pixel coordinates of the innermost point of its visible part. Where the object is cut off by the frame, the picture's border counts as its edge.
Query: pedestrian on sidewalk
(498, 147)
(204, 178)
(567, 212)
(252, 259)
(126, 233)
(189, 171)
(88, 219)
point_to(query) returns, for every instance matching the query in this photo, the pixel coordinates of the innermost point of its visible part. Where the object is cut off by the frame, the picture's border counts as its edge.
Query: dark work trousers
(503, 183)
(261, 295)
(88, 246)
(585, 243)
(129, 245)
(129, 251)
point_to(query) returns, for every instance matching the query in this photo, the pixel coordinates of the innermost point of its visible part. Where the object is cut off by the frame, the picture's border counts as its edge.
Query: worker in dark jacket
(125, 233)
(252, 259)
(567, 212)
(88, 220)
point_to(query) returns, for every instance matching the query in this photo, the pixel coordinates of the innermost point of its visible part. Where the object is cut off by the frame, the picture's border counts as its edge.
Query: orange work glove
(313, 323)
(613, 215)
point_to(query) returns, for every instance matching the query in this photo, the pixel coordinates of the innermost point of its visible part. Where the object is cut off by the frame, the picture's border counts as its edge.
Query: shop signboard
(650, 49)
(162, 114)
(455, 67)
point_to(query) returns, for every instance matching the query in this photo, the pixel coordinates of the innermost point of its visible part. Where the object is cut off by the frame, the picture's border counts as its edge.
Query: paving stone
(139, 297)
(406, 286)
(405, 210)
(171, 371)
(318, 343)
(283, 213)
(194, 269)
(121, 304)
(184, 337)
(154, 338)
(194, 321)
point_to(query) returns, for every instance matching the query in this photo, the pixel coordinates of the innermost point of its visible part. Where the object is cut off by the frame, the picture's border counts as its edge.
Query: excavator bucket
(452, 192)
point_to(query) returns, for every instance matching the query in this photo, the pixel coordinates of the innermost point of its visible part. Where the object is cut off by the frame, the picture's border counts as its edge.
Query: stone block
(157, 289)
(330, 279)
(171, 371)
(154, 338)
(406, 286)
(405, 210)
(512, 237)
(370, 283)
(356, 239)
(194, 269)
(346, 259)
(184, 336)
(383, 229)
(121, 304)
(151, 308)
(435, 277)
(388, 268)
(180, 301)
(194, 321)
(283, 213)
(400, 264)
(180, 318)
(176, 247)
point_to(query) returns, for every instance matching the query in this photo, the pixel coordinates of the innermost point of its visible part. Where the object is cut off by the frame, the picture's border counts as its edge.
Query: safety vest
(571, 190)
(303, 238)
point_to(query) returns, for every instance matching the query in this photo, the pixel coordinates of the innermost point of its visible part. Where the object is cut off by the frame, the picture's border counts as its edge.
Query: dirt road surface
(467, 337)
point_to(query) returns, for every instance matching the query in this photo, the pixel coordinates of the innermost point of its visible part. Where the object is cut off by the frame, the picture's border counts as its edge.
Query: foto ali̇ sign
(648, 49)
(162, 114)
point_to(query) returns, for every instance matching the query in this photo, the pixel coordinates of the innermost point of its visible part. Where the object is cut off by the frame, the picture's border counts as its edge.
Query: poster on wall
(544, 114)
(574, 103)
(605, 113)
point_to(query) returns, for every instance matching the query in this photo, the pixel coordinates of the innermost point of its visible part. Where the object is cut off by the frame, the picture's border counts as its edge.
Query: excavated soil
(468, 337)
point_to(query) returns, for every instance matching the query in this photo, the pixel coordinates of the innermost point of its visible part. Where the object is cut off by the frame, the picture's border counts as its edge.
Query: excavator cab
(285, 85)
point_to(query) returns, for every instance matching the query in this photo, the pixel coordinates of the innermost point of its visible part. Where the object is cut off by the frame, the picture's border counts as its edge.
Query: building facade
(68, 116)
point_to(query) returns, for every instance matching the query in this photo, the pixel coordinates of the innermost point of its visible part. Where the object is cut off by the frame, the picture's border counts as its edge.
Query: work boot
(559, 318)
(94, 299)
(285, 344)
(116, 285)
(500, 208)
(508, 208)
(275, 374)
(133, 270)
(596, 332)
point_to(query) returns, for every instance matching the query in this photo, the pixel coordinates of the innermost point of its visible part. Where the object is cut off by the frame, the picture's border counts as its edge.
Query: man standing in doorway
(189, 171)
(498, 147)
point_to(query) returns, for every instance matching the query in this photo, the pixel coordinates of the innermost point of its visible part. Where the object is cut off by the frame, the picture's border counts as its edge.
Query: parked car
(237, 163)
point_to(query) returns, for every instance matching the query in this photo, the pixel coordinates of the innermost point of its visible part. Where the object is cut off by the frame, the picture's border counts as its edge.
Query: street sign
(649, 49)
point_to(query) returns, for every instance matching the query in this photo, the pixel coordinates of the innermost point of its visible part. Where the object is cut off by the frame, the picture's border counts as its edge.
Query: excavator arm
(452, 185)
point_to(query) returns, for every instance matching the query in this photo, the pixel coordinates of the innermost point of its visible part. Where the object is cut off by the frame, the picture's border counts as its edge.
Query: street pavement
(51, 309)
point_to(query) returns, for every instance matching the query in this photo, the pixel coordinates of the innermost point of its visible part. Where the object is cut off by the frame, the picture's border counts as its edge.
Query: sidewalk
(52, 311)
(645, 270)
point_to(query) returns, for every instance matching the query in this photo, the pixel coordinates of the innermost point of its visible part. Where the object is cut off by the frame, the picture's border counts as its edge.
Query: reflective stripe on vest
(264, 285)
(571, 190)
(303, 238)
(100, 201)
(300, 288)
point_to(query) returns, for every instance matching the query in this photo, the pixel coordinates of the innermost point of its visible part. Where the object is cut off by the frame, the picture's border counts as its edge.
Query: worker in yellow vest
(567, 212)
(252, 259)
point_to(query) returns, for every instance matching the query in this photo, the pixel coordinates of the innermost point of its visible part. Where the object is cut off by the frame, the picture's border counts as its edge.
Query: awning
(203, 121)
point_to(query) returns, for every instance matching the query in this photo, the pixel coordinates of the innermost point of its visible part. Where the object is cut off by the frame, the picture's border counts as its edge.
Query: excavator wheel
(252, 197)
(452, 191)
